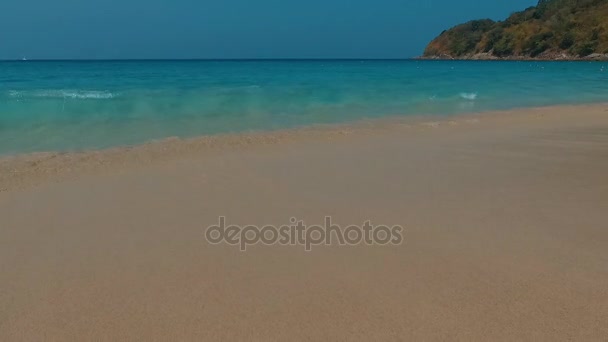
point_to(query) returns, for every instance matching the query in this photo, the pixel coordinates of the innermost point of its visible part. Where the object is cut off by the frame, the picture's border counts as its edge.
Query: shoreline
(24, 170)
(513, 59)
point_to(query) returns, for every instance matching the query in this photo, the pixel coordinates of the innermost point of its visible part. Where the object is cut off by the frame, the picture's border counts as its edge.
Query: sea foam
(469, 96)
(75, 94)
(63, 94)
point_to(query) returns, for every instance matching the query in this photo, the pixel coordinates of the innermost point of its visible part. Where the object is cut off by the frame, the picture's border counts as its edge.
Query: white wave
(89, 95)
(75, 94)
(469, 96)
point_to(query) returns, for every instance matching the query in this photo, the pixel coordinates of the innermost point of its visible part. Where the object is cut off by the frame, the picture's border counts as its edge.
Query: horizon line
(201, 59)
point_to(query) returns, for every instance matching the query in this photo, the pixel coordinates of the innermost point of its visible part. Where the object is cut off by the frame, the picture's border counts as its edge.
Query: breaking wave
(69, 94)
(469, 96)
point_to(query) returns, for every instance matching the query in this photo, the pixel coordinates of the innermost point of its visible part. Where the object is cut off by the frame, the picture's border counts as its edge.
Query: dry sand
(506, 218)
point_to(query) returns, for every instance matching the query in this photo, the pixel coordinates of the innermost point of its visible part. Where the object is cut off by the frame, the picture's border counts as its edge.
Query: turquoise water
(61, 106)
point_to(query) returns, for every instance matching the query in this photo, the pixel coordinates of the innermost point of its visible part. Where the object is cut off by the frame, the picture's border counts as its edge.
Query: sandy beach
(505, 217)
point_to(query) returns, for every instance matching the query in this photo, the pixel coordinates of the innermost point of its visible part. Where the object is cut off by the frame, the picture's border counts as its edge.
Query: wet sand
(505, 216)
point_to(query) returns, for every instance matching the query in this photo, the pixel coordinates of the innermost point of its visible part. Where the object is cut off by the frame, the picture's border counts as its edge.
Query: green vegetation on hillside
(575, 28)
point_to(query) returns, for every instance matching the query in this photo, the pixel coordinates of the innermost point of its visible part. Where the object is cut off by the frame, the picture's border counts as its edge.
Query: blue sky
(100, 29)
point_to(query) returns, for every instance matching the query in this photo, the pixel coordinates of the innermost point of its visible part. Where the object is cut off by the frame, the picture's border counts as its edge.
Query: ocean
(81, 105)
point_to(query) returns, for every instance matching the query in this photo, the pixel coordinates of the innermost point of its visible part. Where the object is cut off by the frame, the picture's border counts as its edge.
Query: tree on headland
(574, 28)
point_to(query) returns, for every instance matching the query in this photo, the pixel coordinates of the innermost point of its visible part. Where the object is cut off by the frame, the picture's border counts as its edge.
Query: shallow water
(75, 105)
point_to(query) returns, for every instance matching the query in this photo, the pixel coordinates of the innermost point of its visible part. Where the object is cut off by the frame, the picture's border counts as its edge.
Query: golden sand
(505, 216)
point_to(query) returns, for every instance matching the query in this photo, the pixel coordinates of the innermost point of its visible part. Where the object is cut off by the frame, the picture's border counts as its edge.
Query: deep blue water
(72, 105)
